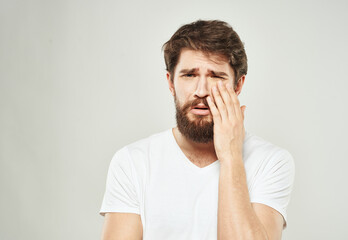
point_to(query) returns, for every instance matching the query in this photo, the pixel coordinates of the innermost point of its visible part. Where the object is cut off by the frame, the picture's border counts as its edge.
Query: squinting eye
(217, 77)
(188, 75)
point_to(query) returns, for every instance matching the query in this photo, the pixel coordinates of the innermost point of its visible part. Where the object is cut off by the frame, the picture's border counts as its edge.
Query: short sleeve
(120, 192)
(274, 183)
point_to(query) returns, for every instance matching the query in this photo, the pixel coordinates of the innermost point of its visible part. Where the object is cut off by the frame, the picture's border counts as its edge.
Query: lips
(201, 106)
(200, 111)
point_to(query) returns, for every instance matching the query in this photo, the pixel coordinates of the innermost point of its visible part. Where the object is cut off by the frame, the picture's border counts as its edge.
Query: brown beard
(199, 130)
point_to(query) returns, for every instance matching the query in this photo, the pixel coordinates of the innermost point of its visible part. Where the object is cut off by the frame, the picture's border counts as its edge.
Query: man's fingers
(220, 103)
(214, 111)
(236, 104)
(227, 98)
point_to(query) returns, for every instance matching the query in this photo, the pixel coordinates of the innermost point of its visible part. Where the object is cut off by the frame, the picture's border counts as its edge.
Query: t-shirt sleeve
(120, 192)
(275, 182)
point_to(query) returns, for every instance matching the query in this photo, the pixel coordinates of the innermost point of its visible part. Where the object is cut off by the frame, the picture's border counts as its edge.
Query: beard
(200, 129)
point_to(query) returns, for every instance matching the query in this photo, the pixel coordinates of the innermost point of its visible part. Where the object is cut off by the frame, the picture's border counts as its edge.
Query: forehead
(203, 61)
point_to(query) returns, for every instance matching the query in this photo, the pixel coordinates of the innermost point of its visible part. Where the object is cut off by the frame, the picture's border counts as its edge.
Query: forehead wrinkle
(217, 65)
(196, 66)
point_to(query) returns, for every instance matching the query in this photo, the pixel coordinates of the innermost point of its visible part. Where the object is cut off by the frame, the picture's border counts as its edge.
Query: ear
(240, 84)
(170, 84)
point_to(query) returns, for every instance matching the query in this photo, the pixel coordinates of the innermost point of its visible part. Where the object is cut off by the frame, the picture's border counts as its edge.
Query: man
(207, 178)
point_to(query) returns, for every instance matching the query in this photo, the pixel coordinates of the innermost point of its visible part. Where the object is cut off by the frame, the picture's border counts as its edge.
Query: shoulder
(143, 146)
(261, 151)
(137, 153)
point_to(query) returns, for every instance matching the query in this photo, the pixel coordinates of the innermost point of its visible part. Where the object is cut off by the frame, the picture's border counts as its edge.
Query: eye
(189, 75)
(218, 77)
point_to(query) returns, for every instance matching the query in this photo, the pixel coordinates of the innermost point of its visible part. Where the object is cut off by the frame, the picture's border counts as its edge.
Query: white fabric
(178, 200)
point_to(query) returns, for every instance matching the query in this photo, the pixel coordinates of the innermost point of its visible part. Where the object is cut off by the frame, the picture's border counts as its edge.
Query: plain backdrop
(81, 79)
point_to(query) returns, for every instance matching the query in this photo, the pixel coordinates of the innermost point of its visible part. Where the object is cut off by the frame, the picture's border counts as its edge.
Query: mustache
(198, 101)
(187, 106)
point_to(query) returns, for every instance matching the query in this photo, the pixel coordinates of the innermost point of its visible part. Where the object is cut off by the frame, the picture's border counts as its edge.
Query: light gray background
(81, 79)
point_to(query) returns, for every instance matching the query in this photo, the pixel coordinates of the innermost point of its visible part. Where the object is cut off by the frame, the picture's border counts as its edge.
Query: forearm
(236, 217)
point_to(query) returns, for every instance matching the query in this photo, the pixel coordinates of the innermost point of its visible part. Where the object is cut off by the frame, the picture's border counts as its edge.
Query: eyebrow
(193, 70)
(189, 71)
(219, 73)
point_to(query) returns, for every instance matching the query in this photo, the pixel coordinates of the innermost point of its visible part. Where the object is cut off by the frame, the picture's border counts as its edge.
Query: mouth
(200, 106)
(200, 110)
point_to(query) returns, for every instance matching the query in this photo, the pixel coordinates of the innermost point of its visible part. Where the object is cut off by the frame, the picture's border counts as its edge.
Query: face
(194, 76)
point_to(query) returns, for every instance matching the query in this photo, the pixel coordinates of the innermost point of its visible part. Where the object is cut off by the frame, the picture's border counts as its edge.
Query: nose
(202, 88)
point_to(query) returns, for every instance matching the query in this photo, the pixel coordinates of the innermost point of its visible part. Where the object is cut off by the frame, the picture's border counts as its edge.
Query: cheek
(183, 100)
(181, 95)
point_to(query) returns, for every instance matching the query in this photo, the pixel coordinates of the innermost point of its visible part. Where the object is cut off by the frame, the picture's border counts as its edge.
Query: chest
(181, 206)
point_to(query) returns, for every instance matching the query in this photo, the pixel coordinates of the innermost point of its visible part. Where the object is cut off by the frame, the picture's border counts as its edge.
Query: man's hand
(228, 119)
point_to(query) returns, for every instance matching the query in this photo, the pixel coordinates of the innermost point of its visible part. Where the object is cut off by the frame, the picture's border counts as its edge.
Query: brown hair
(210, 37)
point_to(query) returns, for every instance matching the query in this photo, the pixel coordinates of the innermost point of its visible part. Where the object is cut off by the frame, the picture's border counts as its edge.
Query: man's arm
(271, 219)
(122, 226)
(237, 217)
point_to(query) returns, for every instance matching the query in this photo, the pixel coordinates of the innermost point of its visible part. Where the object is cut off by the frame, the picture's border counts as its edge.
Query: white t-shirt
(177, 199)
